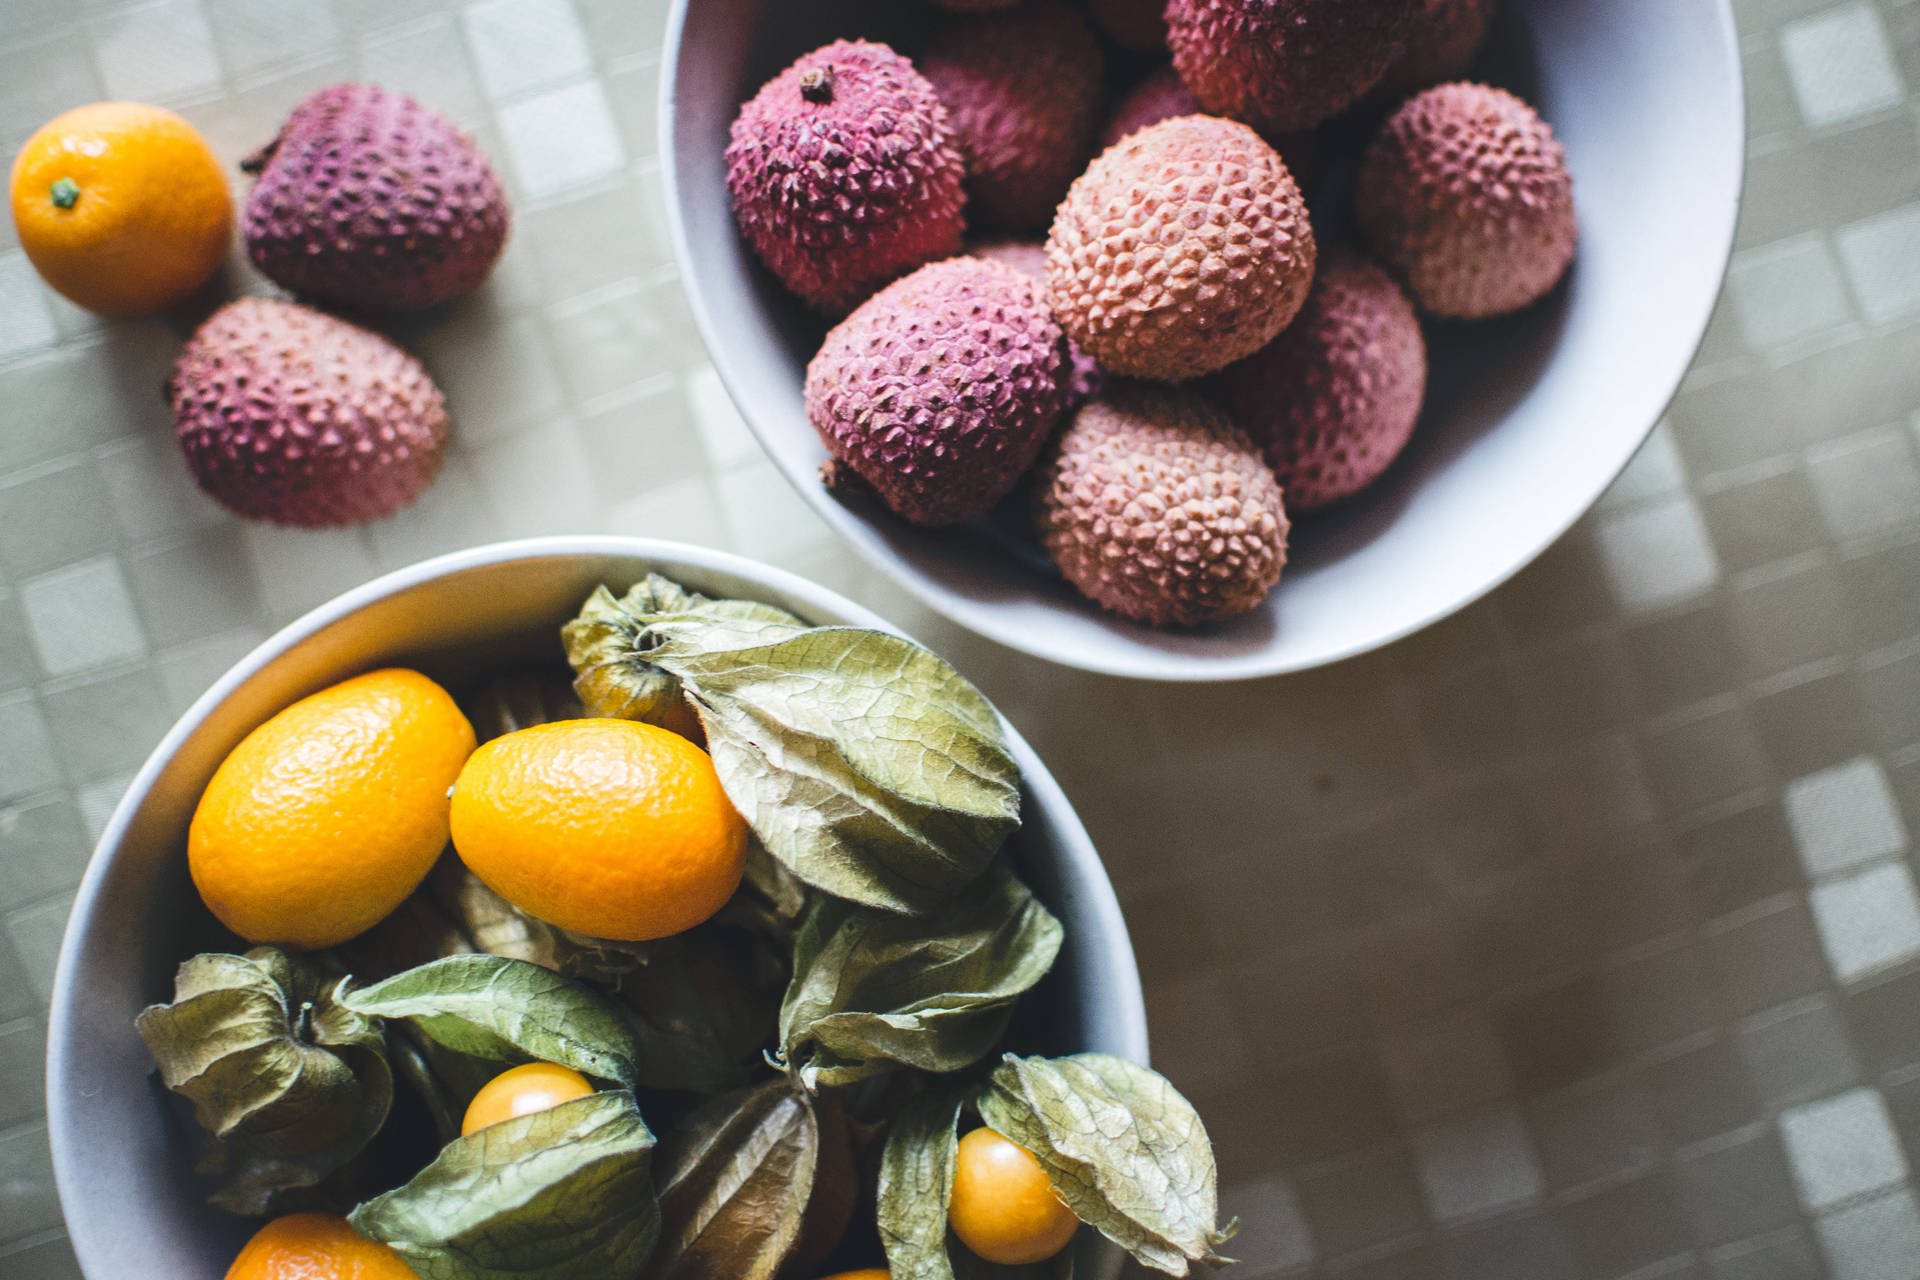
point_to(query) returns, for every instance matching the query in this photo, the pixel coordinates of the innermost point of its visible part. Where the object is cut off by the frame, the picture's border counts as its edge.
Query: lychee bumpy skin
(939, 392)
(1024, 92)
(1181, 249)
(1284, 65)
(1465, 195)
(1334, 399)
(292, 416)
(1156, 507)
(844, 174)
(368, 199)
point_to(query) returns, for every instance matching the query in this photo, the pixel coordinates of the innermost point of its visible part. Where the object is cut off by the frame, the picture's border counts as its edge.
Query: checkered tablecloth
(1574, 938)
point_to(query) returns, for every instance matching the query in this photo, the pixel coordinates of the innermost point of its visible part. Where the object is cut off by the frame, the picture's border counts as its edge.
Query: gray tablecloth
(1576, 937)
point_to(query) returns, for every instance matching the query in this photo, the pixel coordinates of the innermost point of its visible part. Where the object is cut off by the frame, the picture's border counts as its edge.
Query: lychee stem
(65, 193)
(838, 477)
(816, 84)
(258, 160)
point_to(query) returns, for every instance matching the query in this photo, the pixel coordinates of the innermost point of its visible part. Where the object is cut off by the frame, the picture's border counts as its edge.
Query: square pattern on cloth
(1576, 938)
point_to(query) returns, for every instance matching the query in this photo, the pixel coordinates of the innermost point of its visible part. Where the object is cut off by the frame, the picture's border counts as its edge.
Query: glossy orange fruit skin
(153, 217)
(611, 828)
(327, 816)
(316, 1246)
(521, 1091)
(1003, 1207)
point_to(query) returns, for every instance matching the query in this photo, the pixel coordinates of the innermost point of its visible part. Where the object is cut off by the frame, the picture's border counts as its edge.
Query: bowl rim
(1120, 970)
(1146, 664)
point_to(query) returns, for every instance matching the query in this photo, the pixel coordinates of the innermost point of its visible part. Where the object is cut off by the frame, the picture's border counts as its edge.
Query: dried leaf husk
(916, 1185)
(519, 699)
(864, 763)
(499, 928)
(289, 1084)
(561, 1194)
(1122, 1147)
(915, 1190)
(606, 642)
(770, 899)
(702, 1005)
(444, 1081)
(735, 1179)
(507, 1011)
(699, 1004)
(835, 1196)
(418, 931)
(872, 990)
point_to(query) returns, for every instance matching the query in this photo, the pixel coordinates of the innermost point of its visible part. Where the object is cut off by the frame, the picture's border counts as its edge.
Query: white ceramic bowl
(122, 1161)
(1528, 420)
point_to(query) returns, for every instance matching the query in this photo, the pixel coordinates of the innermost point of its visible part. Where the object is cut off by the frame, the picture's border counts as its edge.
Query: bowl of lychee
(1206, 339)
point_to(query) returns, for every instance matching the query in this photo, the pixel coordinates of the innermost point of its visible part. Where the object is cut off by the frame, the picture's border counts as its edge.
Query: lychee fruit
(1284, 65)
(365, 198)
(844, 174)
(1441, 44)
(290, 415)
(1154, 505)
(1333, 400)
(1162, 96)
(939, 390)
(1181, 249)
(1029, 258)
(1140, 25)
(1464, 194)
(1023, 90)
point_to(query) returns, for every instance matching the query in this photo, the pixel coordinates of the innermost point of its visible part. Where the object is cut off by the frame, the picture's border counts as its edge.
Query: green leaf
(1123, 1148)
(736, 1177)
(508, 1011)
(899, 715)
(872, 989)
(864, 763)
(610, 675)
(562, 1194)
(832, 827)
(916, 1184)
(288, 1083)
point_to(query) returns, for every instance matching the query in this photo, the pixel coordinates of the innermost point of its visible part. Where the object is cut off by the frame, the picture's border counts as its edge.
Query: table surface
(1576, 937)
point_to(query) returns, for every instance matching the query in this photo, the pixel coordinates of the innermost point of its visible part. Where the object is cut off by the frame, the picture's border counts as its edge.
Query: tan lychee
(1183, 248)
(1156, 507)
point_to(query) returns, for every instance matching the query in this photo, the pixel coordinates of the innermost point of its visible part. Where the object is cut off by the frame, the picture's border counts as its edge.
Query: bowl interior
(123, 1155)
(1528, 417)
